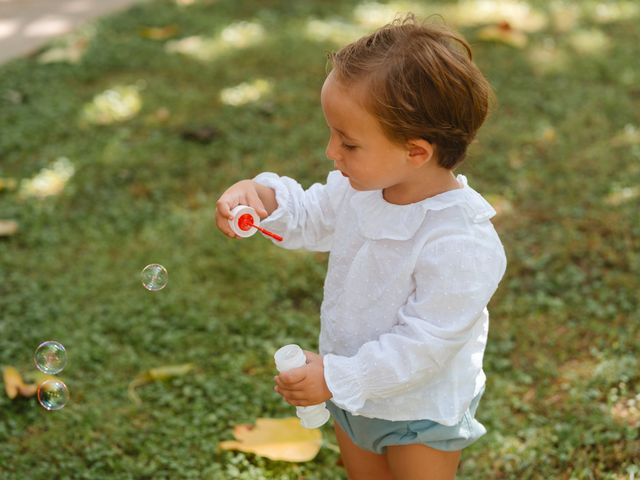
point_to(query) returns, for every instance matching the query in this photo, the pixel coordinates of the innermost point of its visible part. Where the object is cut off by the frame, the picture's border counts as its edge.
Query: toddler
(414, 258)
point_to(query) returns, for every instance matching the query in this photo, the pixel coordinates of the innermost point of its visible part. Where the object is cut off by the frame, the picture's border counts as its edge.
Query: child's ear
(419, 151)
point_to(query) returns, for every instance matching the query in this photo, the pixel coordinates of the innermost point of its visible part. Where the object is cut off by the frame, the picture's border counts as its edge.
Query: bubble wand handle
(266, 232)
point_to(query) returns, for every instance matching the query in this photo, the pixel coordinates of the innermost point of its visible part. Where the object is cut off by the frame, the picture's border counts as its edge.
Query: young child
(414, 258)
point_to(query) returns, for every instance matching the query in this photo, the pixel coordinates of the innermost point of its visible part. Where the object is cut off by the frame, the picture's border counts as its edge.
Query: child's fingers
(223, 214)
(255, 202)
(291, 377)
(224, 207)
(291, 396)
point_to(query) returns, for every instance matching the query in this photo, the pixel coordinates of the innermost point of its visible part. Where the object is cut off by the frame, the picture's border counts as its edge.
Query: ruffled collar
(379, 219)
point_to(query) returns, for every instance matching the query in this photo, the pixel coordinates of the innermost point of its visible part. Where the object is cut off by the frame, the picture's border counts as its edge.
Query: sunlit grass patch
(547, 57)
(235, 36)
(246, 92)
(49, 181)
(565, 15)
(589, 42)
(71, 48)
(520, 14)
(116, 104)
(335, 30)
(606, 11)
(374, 14)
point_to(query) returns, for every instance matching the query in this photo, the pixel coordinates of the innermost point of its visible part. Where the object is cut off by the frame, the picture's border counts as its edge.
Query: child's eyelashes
(349, 147)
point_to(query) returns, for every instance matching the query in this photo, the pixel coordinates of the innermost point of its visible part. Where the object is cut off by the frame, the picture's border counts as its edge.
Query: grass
(561, 145)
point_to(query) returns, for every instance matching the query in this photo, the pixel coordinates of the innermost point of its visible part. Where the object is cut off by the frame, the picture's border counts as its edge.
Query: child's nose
(331, 151)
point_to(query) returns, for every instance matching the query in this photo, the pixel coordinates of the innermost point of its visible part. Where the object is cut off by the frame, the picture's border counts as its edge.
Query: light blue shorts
(375, 434)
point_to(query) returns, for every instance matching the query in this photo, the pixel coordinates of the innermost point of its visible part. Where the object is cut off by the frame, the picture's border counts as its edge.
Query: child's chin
(359, 187)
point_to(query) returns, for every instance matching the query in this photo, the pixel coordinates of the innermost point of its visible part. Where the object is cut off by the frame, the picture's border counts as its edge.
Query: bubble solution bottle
(292, 356)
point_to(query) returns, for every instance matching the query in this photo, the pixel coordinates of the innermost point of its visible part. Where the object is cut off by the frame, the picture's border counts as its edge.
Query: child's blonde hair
(420, 82)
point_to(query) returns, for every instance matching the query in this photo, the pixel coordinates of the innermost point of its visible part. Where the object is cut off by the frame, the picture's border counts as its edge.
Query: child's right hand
(245, 192)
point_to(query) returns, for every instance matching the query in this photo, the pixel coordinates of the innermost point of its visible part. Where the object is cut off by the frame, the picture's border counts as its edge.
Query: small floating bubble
(154, 277)
(53, 394)
(50, 357)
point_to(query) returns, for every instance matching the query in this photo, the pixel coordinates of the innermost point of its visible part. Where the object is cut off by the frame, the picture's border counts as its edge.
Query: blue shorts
(374, 434)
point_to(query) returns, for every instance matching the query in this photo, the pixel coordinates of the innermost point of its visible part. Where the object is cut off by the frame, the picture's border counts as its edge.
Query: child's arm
(245, 192)
(305, 218)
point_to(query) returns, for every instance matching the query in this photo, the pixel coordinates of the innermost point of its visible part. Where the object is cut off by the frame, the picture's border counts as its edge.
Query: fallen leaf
(203, 134)
(277, 439)
(71, 54)
(8, 228)
(159, 33)
(157, 374)
(503, 33)
(14, 384)
(71, 48)
(518, 13)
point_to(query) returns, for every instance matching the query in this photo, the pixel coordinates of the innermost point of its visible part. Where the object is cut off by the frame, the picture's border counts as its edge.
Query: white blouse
(404, 321)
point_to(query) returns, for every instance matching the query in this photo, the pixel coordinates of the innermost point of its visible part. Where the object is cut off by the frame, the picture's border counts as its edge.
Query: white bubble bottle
(291, 356)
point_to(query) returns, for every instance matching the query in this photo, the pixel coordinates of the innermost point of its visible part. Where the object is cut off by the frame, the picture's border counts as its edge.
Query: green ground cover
(559, 157)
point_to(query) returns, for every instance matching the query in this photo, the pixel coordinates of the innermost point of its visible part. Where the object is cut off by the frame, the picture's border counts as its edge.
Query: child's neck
(420, 187)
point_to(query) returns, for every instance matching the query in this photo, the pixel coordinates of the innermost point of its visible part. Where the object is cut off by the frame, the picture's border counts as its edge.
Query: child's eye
(349, 147)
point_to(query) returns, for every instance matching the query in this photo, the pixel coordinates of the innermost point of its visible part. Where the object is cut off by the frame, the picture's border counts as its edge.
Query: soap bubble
(154, 277)
(50, 357)
(53, 394)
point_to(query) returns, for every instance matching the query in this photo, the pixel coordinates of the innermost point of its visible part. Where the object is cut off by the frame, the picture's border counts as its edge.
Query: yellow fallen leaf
(159, 33)
(14, 385)
(156, 374)
(277, 439)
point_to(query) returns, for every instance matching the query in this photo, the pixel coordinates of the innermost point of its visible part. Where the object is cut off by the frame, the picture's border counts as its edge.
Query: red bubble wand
(245, 222)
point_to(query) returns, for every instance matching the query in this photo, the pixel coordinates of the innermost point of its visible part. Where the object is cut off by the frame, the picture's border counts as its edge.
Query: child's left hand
(304, 386)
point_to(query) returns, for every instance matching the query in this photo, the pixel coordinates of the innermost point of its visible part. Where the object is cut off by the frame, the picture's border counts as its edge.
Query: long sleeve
(305, 218)
(454, 279)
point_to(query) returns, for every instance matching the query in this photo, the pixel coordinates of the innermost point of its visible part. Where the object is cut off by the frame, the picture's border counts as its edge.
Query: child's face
(357, 145)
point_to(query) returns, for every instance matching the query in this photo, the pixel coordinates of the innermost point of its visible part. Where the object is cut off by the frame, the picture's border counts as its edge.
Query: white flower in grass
(116, 104)
(242, 34)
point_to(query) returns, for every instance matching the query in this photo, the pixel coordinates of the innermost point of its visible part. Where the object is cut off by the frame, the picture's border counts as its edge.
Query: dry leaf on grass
(156, 374)
(159, 33)
(14, 384)
(277, 439)
(503, 33)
